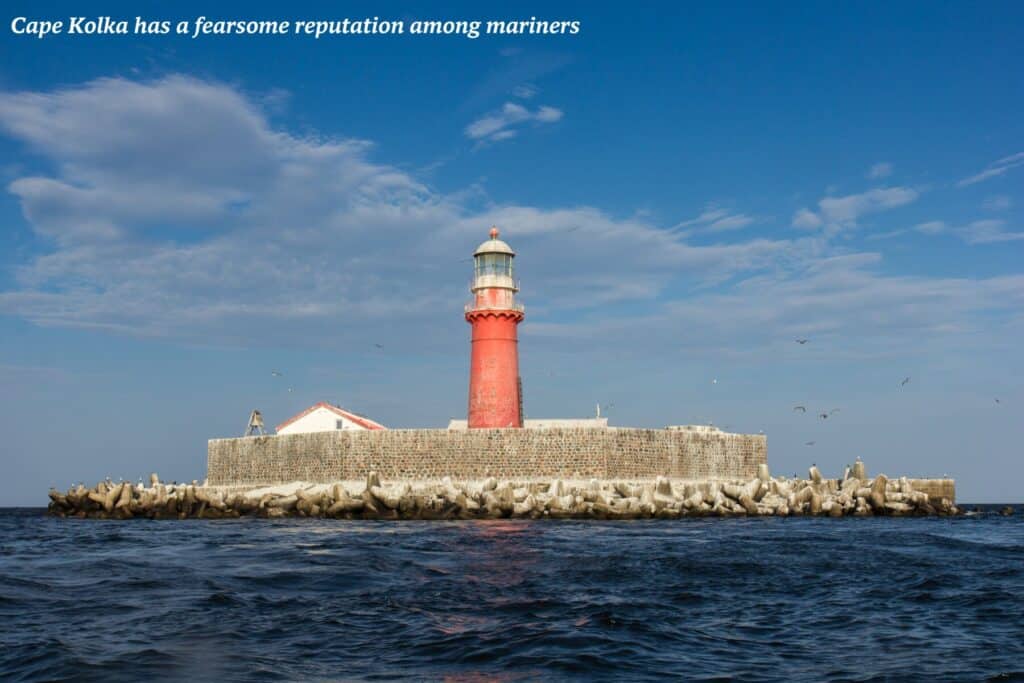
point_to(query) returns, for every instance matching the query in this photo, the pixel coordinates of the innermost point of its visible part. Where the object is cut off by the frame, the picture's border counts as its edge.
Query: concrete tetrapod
(660, 498)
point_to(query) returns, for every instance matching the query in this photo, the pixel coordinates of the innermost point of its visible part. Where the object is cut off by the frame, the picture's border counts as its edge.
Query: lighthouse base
(415, 454)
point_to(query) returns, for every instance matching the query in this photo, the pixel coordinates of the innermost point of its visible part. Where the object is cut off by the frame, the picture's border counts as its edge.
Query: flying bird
(997, 400)
(802, 409)
(904, 382)
(276, 373)
(801, 342)
(824, 416)
(379, 346)
(714, 381)
(809, 443)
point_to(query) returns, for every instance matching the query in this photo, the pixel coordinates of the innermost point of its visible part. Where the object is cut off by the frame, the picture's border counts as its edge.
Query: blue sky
(689, 187)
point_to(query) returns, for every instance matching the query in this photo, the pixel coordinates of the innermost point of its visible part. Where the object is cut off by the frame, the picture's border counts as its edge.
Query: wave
(782, 599)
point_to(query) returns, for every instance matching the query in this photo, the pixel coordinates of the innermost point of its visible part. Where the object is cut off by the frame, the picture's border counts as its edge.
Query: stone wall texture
(937, 489)
(417, 454)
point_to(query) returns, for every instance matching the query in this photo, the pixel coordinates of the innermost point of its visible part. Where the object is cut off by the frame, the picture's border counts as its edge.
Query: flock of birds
(278, 373)
(826, 414)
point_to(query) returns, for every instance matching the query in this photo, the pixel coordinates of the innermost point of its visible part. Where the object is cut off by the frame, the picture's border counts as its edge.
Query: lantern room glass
(494, 264)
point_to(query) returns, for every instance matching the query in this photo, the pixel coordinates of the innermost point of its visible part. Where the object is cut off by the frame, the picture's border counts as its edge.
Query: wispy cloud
(505, 123)
(996, 168)
(518, 67)
(887, 235)
(525, 91)
(930, 227)
(847, 210)
(986, 231)
(714, 219)
(882, 169)
(246, 233)
(240, 223)
(806, 219)
(997, 203)
(840, 213)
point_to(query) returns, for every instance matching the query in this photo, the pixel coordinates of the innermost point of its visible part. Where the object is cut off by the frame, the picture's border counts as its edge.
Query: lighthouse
(495, 392)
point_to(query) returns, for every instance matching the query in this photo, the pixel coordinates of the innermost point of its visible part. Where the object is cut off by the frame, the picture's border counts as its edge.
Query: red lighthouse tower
(494, 388)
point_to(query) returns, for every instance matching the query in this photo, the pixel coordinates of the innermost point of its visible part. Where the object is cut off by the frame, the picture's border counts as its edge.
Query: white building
(324, 417)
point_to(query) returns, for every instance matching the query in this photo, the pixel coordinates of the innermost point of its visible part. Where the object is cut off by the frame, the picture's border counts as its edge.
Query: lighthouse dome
(494, 246)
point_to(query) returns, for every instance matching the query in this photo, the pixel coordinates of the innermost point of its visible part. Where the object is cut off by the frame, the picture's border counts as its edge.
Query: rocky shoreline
(852, 495)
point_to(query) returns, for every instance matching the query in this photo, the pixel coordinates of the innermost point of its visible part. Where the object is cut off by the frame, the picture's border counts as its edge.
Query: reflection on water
(765, 599)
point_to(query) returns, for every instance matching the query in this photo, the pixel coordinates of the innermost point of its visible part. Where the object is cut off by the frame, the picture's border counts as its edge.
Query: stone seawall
(537, 499)
(430, 454)
(936, 489)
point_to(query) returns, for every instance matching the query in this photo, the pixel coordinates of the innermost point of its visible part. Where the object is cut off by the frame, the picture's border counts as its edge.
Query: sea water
(300, 599)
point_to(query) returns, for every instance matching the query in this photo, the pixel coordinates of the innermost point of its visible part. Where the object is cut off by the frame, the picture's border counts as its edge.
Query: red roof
(358, 419)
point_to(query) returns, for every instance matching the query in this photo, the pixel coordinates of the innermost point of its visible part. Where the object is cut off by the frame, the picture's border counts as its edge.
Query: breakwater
(696, 453)
(762, 495)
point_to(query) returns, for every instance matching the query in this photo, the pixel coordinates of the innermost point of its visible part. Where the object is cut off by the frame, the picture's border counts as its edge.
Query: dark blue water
(759, 599)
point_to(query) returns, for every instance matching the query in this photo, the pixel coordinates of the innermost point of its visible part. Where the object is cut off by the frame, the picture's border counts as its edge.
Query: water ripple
(758, 599)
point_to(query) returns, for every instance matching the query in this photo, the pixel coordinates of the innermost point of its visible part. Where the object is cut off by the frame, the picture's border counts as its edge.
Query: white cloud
(931, 227)
(499, 125)
(806, 219)
(888, 235)
(997, 203)
(996, 168)
(730, 223)
(714, 219)
(987, 232)
(841, 213)
(710, 214)
(175, 210)
(883, 169)
(525, 91)
(844, 211)
(844, 302)
(548, 115)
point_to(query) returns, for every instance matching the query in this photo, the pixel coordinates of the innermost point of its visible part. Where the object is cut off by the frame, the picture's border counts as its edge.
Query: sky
(193, 228)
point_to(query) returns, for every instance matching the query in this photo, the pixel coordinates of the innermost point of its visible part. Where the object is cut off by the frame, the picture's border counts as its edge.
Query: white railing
(513, 307)
(495, 281)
